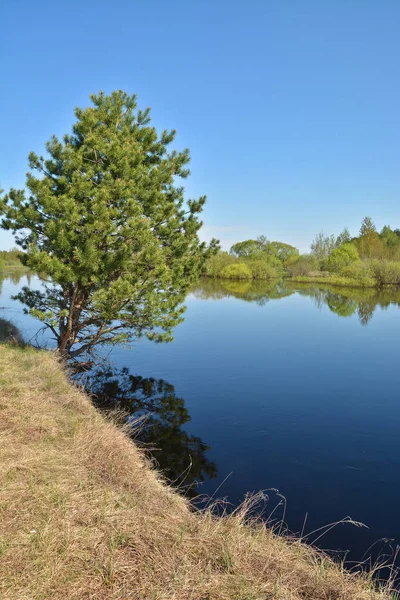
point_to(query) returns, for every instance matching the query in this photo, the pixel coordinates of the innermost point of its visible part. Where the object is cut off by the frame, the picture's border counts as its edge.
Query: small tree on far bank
(367, 226)
(369, 243)
(106, 222)
(322, 245)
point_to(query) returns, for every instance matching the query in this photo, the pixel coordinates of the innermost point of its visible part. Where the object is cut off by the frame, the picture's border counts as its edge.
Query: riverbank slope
(84, 515)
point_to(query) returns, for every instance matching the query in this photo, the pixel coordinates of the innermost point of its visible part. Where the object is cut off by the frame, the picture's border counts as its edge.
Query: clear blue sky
(291, 108)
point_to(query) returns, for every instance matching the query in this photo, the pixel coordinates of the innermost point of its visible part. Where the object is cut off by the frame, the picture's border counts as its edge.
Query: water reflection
(342, 301)
(158, 416)
(260, 292)
(14, 276)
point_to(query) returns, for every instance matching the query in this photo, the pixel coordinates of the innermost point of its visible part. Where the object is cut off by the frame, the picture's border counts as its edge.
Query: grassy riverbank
(335, 280)
(84, 515)
(368, 274)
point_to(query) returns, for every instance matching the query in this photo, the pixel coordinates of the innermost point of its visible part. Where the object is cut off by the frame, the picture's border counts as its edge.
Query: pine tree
(107, 225)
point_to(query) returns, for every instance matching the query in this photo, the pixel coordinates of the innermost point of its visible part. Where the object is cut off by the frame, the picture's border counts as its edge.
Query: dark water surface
(273, 386)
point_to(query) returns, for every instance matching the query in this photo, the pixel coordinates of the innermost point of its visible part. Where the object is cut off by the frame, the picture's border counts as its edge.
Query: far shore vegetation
(10, 260)
(372, 259)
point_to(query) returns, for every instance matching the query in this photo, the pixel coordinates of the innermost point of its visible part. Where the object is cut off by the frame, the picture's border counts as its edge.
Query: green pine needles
(106, 223)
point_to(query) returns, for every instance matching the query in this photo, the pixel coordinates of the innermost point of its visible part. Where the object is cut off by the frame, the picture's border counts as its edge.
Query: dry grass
(83, 516)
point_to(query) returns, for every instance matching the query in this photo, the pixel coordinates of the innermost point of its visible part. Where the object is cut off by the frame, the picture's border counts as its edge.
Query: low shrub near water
(262, 270)
(385, 272)
(302, 265)
(251, 269)
(360, 272)
(374, 272)
(236, 270)
(217, 262)
(341, 257)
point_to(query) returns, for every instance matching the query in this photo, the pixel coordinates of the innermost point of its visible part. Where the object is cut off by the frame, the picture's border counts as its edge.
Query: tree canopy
(322, 245)
(341, 257)
(106, 222)
(282, 251)
(261, 248)
(249, 248)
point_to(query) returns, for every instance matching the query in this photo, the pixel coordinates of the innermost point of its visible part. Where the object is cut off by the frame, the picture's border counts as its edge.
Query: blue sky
(290, 107)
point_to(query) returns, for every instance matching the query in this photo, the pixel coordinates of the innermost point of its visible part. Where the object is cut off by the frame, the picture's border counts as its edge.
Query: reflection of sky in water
(287, 395)
(13, 310)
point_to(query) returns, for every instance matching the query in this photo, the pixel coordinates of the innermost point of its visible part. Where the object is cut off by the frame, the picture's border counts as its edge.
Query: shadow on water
(342, 301)
(157, 415)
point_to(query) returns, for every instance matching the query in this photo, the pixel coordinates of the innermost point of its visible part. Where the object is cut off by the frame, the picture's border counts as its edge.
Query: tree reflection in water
(14, 276)
(342, 301)
(157, 416)
(347, 301)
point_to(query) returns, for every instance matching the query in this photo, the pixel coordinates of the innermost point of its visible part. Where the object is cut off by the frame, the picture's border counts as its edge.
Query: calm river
(278, 386)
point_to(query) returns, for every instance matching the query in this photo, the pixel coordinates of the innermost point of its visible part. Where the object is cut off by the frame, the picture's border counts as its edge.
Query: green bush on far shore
(226, 266)
(302, 265)
(342, 257)
(260, 269)
(385, 272)
(360, 272)
(217, 262)
(236, 271)
(367, 273)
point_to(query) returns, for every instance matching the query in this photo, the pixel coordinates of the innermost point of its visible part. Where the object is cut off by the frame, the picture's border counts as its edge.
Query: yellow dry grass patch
(83, 515)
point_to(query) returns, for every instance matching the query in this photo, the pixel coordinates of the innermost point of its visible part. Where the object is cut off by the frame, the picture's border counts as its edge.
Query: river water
(271, 386)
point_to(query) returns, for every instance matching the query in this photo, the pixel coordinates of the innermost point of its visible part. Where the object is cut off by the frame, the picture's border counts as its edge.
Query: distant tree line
(368, 260)
(371, 259)
(10, 258)
(252, 259)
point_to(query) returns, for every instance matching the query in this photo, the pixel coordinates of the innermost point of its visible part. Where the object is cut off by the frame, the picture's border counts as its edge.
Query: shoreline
(325, 279)
(85, 514)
